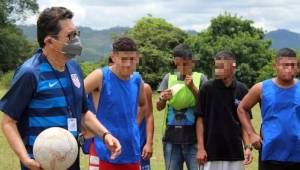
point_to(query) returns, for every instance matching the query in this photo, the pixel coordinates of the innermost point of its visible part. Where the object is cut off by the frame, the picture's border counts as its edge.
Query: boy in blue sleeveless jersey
(280, 109)
(48, 91)
(121, 92)
(146, 125)
(179, 141)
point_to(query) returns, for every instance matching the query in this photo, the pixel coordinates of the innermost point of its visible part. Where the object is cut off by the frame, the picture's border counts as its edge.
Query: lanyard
(64, 91)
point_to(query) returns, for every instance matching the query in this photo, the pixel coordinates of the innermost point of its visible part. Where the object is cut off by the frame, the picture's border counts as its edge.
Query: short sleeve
(202, 81)
(164, 83)
(18, 97)
(200, 105)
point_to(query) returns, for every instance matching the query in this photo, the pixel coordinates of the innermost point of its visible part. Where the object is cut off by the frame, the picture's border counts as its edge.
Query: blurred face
(286, 68)
(184, 66)
(125, 62)
(224, 68)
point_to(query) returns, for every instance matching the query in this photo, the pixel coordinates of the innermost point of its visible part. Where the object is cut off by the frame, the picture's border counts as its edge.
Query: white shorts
(223, 165)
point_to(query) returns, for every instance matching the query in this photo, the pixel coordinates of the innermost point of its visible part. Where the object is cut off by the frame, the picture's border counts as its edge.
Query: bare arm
(13, 137)
(148, 150)
(201, 153)
(164, 97)
(93, 81)
(248, 148)
(142, 97)
(249, 101)
(190, 84)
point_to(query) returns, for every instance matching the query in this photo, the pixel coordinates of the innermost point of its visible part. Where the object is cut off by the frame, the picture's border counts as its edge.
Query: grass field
(9, 161)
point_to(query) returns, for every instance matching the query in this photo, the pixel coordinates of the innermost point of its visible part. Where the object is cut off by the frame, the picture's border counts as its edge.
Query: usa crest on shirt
(75, 80)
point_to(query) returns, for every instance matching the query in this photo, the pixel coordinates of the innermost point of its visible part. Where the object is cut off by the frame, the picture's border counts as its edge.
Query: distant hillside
(284, 38)
(96, 43)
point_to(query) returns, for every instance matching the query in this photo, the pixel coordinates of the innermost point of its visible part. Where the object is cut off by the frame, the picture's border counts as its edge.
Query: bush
(5, 79)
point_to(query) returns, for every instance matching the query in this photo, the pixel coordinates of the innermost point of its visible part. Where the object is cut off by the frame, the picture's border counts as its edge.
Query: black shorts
(277, 165)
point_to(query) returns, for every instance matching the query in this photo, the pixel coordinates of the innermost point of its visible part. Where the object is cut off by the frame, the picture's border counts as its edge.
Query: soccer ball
(55, 149)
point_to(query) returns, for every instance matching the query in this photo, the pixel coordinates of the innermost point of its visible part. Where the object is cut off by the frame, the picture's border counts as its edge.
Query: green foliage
(155, 39)
(13, 10)
(88, 67)
(234, 34)
(14, 48)
(5, 79)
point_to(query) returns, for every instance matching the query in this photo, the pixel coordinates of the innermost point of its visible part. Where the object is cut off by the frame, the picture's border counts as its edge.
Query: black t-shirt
(217, 105)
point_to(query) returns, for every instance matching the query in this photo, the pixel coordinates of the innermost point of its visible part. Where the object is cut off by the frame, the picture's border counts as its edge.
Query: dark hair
(124, 44)
(286, 52)
(48, 22)
(183, 51)
(110, 61)
(227, 55)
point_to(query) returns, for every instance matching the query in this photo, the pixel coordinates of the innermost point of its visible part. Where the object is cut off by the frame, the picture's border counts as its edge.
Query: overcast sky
(186, 14)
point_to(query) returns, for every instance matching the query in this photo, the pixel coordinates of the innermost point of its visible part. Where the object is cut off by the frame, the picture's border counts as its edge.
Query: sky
(185, 14)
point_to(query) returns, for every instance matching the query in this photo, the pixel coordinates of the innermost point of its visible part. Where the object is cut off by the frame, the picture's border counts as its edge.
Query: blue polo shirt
(41, 97)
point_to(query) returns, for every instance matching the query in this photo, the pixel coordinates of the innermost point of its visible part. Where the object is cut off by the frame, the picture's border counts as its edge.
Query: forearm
(200, 133)
(194, 90)
(149, 129)
(90, 122)
(245, 136)
(13, 137)
(245, 121)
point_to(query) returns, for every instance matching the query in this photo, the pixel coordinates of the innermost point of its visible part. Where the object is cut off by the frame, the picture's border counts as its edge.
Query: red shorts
(96, 164)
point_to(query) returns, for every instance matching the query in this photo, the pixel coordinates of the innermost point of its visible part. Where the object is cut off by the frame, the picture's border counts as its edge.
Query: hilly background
(97, 43)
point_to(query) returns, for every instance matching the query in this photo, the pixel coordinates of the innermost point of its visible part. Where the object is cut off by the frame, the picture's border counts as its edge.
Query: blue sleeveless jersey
(280, 122)
(117, 111)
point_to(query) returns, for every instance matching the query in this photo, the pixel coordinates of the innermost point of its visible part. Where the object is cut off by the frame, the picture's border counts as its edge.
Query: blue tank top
(117, 111)
(280, 122)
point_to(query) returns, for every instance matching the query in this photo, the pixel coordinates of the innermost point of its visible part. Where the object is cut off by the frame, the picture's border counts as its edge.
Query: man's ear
(47, 40)
(113, 57)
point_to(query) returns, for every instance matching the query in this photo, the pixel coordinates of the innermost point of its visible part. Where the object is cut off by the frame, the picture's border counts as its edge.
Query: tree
(234, 34)
(14, 48)
(155, 39)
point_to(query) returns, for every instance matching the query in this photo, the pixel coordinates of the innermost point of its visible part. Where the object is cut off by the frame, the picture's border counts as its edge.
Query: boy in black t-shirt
(219, 133)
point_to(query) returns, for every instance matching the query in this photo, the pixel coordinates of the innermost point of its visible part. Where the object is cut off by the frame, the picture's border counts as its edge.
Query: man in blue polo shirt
(48, 91)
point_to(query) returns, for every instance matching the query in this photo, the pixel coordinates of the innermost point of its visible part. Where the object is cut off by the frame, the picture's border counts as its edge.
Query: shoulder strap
(104, 71)
(172, 80)
(197, 78)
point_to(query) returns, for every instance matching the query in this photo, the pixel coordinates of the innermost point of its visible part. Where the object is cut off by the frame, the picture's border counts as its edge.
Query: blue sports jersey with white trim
(36, 99)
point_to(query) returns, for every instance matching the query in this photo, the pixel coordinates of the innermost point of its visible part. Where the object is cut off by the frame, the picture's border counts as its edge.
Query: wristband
(248, 146)
(105, 134)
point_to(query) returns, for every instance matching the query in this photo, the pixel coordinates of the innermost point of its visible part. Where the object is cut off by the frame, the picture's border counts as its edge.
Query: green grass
(9, 160)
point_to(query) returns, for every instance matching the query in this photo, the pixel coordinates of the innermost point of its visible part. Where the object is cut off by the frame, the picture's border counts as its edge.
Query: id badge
(72, 124)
